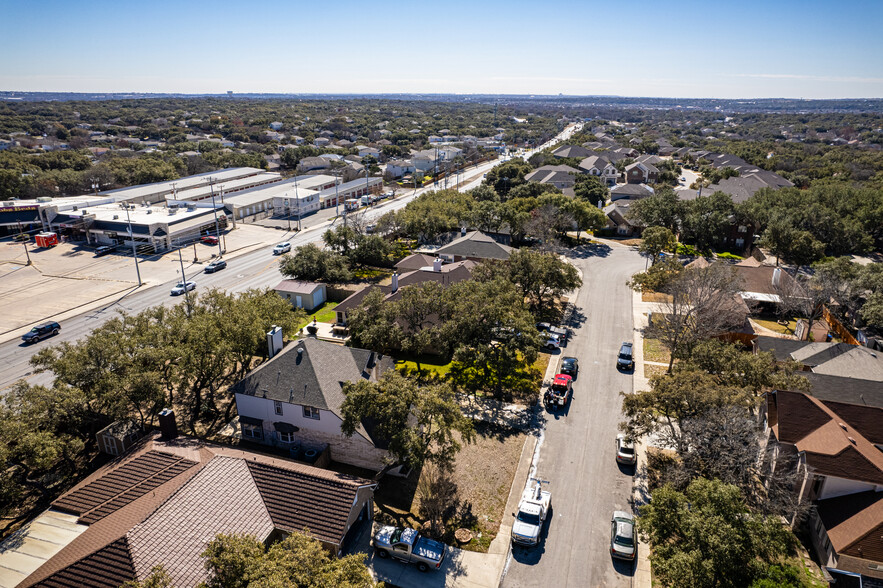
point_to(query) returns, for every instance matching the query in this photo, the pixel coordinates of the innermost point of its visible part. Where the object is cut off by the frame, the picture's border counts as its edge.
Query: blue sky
(745, 49)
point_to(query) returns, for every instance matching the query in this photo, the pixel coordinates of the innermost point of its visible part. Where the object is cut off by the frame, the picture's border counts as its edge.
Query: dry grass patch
(654, 350)
(654, 370)
(655, 297)
(482, 474)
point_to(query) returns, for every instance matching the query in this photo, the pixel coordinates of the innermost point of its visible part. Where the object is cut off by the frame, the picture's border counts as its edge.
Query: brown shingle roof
(854, 524)
(831, 446)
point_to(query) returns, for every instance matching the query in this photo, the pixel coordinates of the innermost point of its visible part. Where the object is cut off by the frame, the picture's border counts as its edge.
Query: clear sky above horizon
(705, 49)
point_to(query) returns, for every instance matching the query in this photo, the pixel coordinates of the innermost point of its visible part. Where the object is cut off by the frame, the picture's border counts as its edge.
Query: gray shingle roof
(310, 373)
(478, 245)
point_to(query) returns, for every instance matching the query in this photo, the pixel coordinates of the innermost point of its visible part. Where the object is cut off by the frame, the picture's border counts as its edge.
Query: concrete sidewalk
(641, 495)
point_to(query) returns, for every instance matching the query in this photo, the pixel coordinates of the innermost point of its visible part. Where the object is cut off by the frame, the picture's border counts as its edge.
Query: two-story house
(835, 438)
(295, 399)
(600, 167)
(641, 173)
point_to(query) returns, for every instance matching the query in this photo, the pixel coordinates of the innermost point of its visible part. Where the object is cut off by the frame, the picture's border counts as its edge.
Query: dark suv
(41, 332)
(104, 250)
(624, 361)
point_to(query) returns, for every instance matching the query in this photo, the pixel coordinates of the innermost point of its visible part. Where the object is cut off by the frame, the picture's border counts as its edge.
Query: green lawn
(427, 363)
(326, 314)
(775, 326)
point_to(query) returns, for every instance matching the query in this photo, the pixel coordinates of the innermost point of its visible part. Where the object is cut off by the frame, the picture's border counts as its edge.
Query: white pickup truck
(408, 546)
(532, 512)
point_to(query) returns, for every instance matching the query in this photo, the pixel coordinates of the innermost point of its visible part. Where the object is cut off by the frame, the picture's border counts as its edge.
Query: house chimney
(395, 281)
(777, 277)
(462, 231)
(274, 340)
(167, 426)
(436, 265)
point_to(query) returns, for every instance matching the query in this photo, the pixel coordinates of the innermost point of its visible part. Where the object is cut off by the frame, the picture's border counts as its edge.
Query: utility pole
(25, 243)
(134, 249)
(288, 211)
(184, 282)
(336, 197)
(211, 182)
(297, 198)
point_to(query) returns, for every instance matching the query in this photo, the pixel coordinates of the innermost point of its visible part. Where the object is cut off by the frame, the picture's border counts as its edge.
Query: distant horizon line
(9, 94)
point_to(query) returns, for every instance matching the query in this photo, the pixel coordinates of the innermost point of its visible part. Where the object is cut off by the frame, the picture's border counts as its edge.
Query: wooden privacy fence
(838, 327)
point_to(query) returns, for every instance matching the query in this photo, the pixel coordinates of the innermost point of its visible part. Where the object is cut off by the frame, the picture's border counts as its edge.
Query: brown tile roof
(296, 501)
(222, 498)
(121, 486)
(106, 568)
(831, 446)
(169, 524)
(854, 524)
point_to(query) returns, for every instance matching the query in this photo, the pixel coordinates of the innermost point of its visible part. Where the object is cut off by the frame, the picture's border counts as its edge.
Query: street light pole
(134, 249)
(336, 197)
(184, 282)
(211, 182)
(297, 199)
(25, 243)
(288, 211)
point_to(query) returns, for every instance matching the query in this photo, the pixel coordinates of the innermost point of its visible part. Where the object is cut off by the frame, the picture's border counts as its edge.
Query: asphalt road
(256, 269)
(577, 451)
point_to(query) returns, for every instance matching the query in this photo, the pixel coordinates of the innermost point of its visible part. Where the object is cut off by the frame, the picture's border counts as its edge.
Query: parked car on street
(559, 393)
(182, 287)
(625, 450)
(624, 360)
(209, 240)
(552, 342)
(281, 248)
(41, 332)
(548, 328)
(214, 266)
(623, 538)
(532, 511)
(570, 366)
(104, 250)
(409, 546)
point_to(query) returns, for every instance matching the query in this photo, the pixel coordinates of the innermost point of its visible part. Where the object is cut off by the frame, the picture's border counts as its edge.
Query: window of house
(109, 445)
(277, 407)
(286, 437)
(311, 413)
(252, 431)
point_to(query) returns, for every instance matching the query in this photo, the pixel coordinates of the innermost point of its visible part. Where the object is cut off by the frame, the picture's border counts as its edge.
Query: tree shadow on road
(589, 250)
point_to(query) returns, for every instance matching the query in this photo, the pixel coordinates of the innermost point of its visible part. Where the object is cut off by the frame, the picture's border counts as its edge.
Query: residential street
(577, 453)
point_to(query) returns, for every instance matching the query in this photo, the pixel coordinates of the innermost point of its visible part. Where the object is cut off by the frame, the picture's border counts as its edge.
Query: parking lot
(69, 278)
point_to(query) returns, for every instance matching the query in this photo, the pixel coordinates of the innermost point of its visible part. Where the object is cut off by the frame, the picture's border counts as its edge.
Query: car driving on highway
(41, 332)
(182, 287)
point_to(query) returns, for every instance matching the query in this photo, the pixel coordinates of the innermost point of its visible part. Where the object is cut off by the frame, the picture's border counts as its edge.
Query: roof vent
(116, 216)
(851, 440)
(842, 426)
